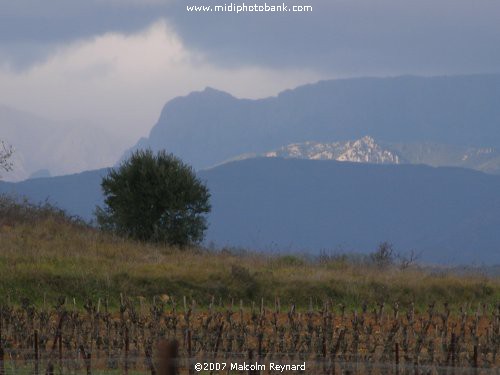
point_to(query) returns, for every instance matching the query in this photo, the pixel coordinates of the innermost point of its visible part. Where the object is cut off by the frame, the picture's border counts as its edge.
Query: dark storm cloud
(31, 29)
(63, 20)
(357, 36)
(339, 36)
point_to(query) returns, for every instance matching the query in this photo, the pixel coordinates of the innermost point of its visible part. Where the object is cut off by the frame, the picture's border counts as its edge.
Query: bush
(384, 255)
(14, 211)
(155, 198)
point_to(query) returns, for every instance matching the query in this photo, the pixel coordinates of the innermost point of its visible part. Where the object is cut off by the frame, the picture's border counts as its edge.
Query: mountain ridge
(207, 127)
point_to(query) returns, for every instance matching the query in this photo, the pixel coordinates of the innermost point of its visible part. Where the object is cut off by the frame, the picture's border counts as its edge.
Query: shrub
(20, 211)
(384, 255)
(155, 198)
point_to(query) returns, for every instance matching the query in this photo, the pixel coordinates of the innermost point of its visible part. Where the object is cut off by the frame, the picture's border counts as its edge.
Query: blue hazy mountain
(451, 215)
(209, 127)
(78, 194)
(46, 147)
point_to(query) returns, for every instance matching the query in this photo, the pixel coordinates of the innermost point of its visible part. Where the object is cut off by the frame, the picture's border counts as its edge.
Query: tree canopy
(155, 197)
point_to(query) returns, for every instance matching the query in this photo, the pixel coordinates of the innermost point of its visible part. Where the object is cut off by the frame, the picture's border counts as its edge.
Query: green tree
(156, 198)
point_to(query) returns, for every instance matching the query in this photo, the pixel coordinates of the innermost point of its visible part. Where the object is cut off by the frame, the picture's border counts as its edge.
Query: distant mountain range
(44, 147)
(331, 165)
(367, 150)
(436, 121)
(78, 194)
(449, 215)
(426, 117)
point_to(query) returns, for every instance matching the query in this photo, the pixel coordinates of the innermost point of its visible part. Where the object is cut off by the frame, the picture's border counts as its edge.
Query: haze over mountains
(361, 185)
(450, 215)
(209, 127)
(45, 147)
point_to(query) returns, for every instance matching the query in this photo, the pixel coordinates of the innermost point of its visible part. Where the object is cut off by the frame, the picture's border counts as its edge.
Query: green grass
(44, 255)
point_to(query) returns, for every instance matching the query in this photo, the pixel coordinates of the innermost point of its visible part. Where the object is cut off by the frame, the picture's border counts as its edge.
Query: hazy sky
(116, 62)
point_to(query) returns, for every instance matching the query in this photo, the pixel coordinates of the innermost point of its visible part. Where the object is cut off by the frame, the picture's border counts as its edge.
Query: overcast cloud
(350, 37)
(116, 62)
(123, 81)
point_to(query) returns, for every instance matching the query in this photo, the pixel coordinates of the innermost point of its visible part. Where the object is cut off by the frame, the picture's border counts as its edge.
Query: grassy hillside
(44, 254)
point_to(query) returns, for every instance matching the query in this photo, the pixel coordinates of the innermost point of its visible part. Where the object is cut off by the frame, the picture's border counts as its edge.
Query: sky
(115, 63)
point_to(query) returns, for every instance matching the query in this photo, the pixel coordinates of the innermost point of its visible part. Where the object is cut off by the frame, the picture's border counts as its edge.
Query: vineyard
(329, 337)
(44, 254)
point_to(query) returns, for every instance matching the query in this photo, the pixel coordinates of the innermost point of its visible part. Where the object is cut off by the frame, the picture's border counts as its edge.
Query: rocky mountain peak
(363, 150)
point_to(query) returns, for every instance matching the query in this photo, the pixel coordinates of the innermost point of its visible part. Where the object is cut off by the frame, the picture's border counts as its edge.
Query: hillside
(44, 255)
(448, 215)
(78, 194)
(206, 128)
